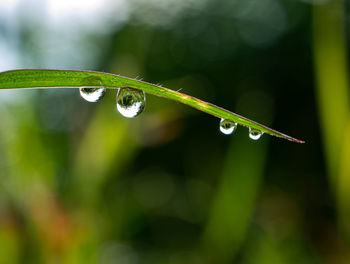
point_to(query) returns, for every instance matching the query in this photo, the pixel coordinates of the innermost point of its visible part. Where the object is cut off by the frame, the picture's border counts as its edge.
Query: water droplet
(227, 127)
(255, 134)
(92, 94)
(130, 102)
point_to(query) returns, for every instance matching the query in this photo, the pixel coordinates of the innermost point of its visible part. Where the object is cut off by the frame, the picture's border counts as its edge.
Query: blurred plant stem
(344, 182)
(103, 146)
(235, 200)
(331, 70)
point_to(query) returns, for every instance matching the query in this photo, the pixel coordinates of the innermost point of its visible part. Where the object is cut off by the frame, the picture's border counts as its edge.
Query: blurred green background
(81, 184)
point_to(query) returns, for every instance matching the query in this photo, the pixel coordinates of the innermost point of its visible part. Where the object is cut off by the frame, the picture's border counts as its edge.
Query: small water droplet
(89, 91)
(92, 94)
(255, 134)
(227, 127)
(130, 102)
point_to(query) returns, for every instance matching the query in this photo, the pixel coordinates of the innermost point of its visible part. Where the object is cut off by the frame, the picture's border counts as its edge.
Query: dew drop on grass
(89, 91)
(92, 94)
(130, 102)
(255, 134)
(227, 127)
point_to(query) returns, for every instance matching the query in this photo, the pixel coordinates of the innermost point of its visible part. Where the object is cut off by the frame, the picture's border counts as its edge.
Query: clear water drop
(90, 90)
(227, 127)
(92, 94)
(130, 102)
(255, 134)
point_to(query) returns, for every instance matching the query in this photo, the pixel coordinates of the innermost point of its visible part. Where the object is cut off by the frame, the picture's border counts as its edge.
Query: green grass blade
(38, 78)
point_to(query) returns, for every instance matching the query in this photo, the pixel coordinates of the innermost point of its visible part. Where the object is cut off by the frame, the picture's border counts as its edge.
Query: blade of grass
(39, 78)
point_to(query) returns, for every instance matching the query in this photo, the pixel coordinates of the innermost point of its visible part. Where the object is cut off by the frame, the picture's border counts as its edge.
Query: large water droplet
(92, 94)
(130, 102)
(255, 134)
(227, 127)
